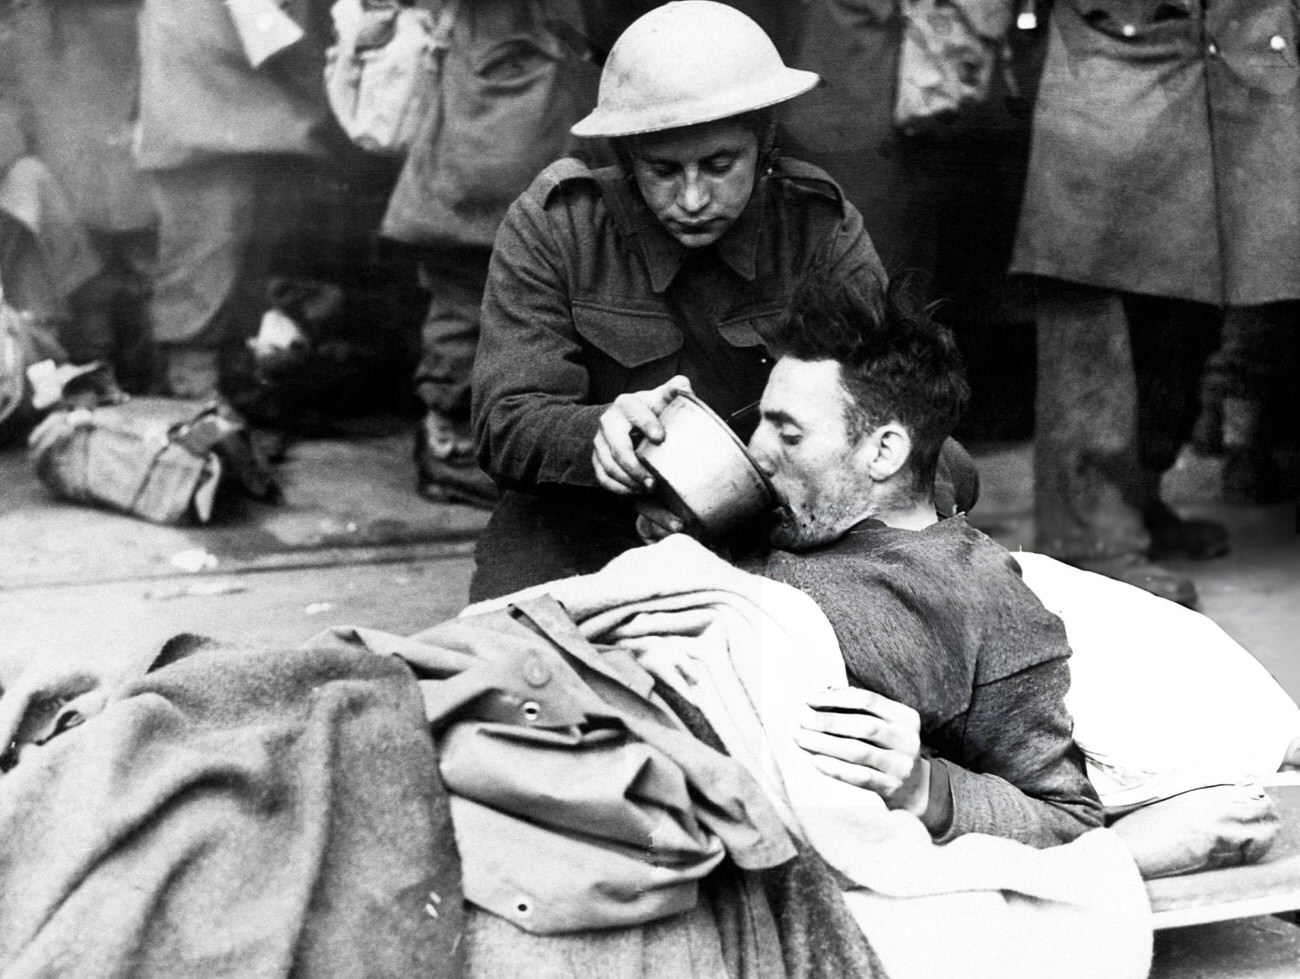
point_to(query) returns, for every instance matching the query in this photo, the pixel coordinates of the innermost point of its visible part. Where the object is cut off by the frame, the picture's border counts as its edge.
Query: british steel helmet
(688, 62)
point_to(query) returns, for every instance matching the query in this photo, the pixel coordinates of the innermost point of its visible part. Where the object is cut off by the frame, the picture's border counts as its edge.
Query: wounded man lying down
(286, 812)
(274, 812)
(959, 685)
(929, 613)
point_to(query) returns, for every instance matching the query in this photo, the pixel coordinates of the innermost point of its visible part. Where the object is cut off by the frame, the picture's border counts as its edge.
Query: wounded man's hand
(869, 741)
(654, 521)
(1219, 826)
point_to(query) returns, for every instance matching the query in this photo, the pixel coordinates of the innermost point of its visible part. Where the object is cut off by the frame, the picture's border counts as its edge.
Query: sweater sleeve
(1021, 775)
(956, 634)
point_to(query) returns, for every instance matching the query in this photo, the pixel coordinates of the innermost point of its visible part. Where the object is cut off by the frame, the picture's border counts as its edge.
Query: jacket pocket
(631, 338)
(1139, 31)
(752, 326)
(628, 349)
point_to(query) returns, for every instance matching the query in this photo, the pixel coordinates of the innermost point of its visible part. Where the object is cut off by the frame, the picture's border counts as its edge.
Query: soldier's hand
(613, 453)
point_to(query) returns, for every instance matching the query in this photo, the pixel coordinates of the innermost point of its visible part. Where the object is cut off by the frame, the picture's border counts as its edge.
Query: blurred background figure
(928, 135)
(234, 132)
(68, 78)
(513, 76)
(1155, 199)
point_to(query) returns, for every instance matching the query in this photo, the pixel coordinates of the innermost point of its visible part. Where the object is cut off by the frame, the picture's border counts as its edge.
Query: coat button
(1277, 42)
(1212, 48)
(536, 673)
(1128, 30)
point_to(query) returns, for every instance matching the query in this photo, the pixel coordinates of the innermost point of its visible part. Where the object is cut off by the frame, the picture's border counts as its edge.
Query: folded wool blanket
(761, 647)
(235, 813)
(591, 822)
(579, 801)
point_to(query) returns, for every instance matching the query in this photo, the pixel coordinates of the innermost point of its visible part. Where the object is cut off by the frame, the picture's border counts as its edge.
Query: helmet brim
(789, 84)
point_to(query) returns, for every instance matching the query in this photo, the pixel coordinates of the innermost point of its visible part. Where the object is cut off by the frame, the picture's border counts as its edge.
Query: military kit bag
(163, 459)
(379, 75)
(506, 89)
(949, 52)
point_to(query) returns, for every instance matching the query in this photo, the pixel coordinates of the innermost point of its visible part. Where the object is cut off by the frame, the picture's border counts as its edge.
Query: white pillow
(1163, 699)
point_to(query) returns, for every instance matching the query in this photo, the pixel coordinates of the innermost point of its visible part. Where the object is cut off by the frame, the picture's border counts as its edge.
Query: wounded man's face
(803, 445)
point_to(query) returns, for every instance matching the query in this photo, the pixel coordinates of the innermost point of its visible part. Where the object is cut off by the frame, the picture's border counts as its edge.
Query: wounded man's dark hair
(897, 362)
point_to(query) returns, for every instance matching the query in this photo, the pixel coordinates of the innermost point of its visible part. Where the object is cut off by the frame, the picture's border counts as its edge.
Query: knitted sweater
(940, 619)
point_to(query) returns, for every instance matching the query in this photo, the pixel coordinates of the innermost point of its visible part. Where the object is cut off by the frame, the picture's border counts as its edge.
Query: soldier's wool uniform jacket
(589, 297)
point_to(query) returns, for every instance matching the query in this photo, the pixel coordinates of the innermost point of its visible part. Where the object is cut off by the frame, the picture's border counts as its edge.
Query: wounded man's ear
(890, 446)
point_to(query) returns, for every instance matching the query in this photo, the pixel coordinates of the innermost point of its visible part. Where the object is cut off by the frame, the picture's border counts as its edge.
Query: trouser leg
(1087, 477)
(89, 333)
(1207, 432)
(444, 449)
(205, 223)
(107, 312)
(25, 282)
(1172, 341)
(45, 254)
(222, 226)
(1253, 347)
(449, 336)
(1254, 344)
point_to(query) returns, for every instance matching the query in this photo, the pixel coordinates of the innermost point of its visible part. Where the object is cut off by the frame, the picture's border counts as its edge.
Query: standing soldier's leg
(446, 469)
(1253, 347)
(1088, 480)
(206, 219)
(1172, 341)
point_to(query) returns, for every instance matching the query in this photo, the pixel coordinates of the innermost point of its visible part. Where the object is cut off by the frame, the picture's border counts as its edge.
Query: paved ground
(1253, 592)
(354, 544)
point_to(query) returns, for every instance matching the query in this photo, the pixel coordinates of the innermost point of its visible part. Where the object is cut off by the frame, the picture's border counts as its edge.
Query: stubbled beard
(803, 528)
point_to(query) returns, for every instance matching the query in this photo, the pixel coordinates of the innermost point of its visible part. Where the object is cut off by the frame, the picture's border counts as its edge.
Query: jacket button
(1212, 48)
(536, 673)
(1277, 42)
(1128, 30)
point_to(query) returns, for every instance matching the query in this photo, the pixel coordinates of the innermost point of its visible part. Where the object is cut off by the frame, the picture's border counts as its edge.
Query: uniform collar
(665, 255)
